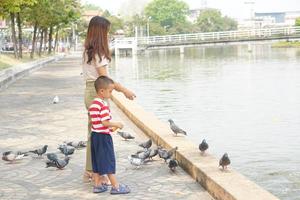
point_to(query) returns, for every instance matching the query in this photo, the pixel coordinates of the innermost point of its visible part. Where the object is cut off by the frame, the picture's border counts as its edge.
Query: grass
(8, 60)
(285, 44)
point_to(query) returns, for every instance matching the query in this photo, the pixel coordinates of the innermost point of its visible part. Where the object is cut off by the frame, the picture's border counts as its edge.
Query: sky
(237, 9)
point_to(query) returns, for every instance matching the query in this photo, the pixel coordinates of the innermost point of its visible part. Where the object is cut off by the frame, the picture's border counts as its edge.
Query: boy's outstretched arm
(112, 124)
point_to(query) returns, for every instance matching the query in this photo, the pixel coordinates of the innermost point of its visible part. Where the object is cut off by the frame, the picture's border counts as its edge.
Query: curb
(10, 75)
(204, 169)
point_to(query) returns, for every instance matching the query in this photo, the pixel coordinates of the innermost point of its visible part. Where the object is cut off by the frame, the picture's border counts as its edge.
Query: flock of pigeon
(147, 154)
(53, 160)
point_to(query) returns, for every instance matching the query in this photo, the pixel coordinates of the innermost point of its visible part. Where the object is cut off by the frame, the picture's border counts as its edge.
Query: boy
(102, 149)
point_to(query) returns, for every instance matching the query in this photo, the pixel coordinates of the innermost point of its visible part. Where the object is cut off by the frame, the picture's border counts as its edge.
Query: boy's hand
(119, 125)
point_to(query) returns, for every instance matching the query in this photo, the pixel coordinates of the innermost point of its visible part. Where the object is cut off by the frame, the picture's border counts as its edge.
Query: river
(245, 103)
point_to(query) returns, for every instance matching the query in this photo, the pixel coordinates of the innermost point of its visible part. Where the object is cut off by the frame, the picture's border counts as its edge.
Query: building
(277, 18)
(193, 15)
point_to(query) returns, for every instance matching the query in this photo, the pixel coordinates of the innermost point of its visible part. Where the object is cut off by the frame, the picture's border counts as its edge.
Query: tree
(116, 22)
(181, 28)
(167, 12)
(13, 8)
(211, 20)
(52, 15)
(297, 22)
(135, 21)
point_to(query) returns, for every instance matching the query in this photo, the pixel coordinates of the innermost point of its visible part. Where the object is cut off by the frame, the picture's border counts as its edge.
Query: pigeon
(153, 153)
(203, 146)
(66, 150)
(164, 154)
(173, 163)
(161, 151)
(59, 164)
(55, 100)
(41, 151)
(52, 156)
(77, 145)
(125, 135)
(135, 161)
(147, 144)
(11, 156)
(143, 155)
(175, 128)
(224, 161)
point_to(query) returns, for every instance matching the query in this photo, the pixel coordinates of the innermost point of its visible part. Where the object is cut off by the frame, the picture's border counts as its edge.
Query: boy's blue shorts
(103, 155)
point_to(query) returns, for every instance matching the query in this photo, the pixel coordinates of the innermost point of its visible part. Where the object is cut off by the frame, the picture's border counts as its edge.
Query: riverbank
(286, 44)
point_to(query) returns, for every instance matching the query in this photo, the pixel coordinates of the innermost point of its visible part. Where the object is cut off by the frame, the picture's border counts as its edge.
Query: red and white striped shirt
(99, 111)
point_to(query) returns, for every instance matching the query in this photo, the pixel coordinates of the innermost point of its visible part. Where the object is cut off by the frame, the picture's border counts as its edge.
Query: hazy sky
(232, 8)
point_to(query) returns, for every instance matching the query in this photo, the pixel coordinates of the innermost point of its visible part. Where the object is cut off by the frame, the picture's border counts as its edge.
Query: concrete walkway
(28, 120)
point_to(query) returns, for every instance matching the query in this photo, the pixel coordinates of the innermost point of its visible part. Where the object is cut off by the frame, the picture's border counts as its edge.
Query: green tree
(297, 22)
(167, 12)
(116, 22)
(211, 20)
(181, 28)
(135, 21)
(13, 8)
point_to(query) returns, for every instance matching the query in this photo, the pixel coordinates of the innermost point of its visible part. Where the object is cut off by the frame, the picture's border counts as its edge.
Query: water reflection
(244, 103)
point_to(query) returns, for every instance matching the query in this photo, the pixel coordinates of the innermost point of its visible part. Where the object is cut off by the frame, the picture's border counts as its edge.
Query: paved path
(28, 120)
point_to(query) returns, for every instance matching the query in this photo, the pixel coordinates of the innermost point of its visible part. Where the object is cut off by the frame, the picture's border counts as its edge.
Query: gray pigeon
(66, 150)
(59, 164)
(143, 155)
(164, 154)
(175, 128)
(161, 151)
(147, 144)
(41, 151)
(153, 153)
(203, 146)
(173, 163)
(135, 161)
(125, 135)
(224, 161)
(52, 156)
(11, 156)
(77, 144)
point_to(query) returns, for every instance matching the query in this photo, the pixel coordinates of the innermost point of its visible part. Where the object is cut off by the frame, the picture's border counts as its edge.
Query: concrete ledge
(10, 75)
(204, 169)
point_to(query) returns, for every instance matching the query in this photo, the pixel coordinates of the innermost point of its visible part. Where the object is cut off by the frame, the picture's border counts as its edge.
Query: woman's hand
(129, 94)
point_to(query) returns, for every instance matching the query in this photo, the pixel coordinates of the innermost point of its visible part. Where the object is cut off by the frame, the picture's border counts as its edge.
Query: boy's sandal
(123, 189)
(99, 189)
(106, 184)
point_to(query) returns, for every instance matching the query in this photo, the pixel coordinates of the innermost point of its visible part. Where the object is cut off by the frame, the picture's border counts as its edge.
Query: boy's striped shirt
(99, 111)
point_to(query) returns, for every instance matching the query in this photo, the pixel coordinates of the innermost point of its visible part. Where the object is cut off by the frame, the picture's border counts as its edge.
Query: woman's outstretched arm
(102, 71)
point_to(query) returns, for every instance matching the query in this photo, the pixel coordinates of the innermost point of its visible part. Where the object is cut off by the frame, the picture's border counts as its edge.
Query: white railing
(123, 42)
(214, 36)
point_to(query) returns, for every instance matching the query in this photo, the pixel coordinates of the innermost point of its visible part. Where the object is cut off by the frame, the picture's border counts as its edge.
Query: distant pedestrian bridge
(181, 40)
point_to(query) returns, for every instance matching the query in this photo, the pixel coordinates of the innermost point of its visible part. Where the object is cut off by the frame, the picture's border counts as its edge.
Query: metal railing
(251, 34)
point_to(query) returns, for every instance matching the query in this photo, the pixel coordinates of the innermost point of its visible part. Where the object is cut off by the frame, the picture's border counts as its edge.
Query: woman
(96, 57)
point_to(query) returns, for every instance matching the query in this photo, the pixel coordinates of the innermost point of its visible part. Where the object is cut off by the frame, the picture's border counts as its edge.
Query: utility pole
(148, 26)
(251, 6)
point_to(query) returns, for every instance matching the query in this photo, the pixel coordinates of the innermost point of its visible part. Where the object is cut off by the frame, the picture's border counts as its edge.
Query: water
(244, 103)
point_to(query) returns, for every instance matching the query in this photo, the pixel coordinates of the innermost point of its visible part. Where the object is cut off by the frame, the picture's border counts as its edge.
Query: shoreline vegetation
(286, 44)
(8, 60)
